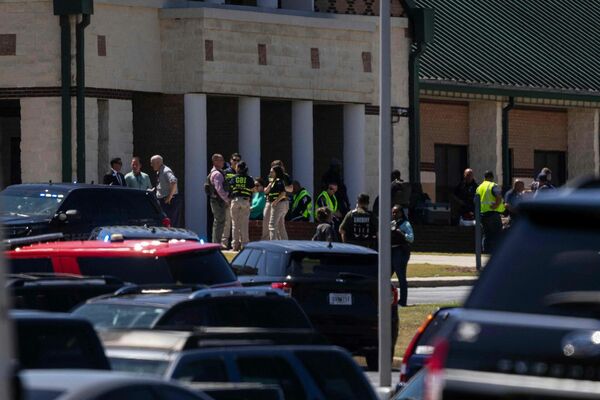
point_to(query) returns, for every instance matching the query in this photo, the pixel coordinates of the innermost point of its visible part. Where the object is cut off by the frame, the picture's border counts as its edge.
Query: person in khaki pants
(279, 204)
(241, 186)
(267, 210)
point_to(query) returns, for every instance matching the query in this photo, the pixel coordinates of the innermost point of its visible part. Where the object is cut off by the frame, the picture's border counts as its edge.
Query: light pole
(385, 167)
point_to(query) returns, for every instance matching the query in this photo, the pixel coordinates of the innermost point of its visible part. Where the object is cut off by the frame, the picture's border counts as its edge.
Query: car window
(335, 375)
(252, 262)
(241, 258)
(543, 259)
(116, 315)
(138, 208)
(331, 265)
(32, 265)
(142, 366)
(27, 202)
(414, 389)
(201, 370)
(42, 394)
(274, 263)
(109, 211)
(205, 267)
(261, 263)
(271, 370)
(242, 263)
(237, 311)
(133, 392)
(84, 201)
(173, 393)
(58, 346)
(141, 270)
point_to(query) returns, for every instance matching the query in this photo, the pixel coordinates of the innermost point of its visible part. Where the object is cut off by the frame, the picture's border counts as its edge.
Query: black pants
(492, 230)
(173, 209)
(400, 257)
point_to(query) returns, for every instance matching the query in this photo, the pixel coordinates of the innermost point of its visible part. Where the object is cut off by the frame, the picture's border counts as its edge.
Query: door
(556, 161)
(450, 163)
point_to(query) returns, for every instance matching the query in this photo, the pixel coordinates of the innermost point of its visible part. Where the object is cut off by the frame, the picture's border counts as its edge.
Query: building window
(208, 50)
(101, 46)
(556, 161)
(366, 60)
(450, 163)
(8, 44)
(314, 58)
(262, 54)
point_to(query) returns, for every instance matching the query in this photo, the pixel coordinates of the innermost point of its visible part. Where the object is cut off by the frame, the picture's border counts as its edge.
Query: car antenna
(330, 245)
(50, 182)
(92, 183)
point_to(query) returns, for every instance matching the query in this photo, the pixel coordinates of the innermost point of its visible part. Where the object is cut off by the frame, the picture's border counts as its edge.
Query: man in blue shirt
(136, 178)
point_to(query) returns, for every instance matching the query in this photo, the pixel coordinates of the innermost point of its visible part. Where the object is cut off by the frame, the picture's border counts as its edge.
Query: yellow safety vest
(297, 198)
(331, 201)
(488, 199)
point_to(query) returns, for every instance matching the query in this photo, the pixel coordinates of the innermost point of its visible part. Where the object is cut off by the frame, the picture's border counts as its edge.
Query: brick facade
(531, 130)
(442, 123)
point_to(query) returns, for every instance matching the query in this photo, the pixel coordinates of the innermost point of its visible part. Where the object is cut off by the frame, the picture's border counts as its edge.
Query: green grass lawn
(433, 270)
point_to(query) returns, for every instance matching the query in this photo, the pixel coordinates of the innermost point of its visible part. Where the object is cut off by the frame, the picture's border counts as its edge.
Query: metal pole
(6, 343)
(65, 93)
(80, 44)
(478, 232)
(506, 178)
(385, 168)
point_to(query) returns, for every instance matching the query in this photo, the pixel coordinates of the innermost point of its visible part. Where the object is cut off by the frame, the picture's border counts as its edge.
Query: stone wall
(583, 138)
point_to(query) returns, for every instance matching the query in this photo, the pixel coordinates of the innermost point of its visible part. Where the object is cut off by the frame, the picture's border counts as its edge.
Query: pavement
(467, 261)
(438, 295)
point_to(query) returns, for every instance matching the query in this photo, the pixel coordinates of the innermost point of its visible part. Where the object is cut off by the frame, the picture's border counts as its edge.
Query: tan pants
(240, 214)
(227, 227)
(277, 220)
(266, 218)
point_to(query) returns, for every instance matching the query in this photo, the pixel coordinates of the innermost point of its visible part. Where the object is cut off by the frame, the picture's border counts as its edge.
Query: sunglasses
(236, 159)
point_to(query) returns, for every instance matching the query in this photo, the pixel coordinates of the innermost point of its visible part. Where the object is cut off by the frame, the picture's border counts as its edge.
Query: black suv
(530, 329)
(336, 285)
(74, 209)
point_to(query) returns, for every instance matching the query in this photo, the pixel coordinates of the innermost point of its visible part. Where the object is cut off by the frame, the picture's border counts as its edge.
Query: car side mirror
(69, 215)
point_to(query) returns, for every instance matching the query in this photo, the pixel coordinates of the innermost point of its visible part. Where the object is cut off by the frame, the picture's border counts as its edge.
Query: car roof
(68, 187)
(309, 246)
(165, 299)
(268, 349)
(143, 232)
(30, 315)
(581, 200)
(98, 248)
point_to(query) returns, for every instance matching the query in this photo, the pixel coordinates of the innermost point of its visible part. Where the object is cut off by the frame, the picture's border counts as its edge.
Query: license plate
(340, 299)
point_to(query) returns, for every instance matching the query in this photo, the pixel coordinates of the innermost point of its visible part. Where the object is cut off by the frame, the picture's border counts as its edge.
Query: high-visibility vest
(486, 194)
(297, 198)
(331, 201)
(240, 186)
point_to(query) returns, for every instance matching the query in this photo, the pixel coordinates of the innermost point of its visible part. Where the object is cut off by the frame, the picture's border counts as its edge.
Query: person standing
(492, 206)
(229, 172)
(218, 197)
(241, 186)
(287, 180)
(464, 193)
(359, 225)
(301, 209)
(114, 177)
(136, 178)
(327, 198)
(166, 189)
(512, 197)
(402, 238)
(279, 204)
(259, 199)
(325, 231)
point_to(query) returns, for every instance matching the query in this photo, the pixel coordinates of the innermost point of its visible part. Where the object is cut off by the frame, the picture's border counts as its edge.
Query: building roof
(528, 47)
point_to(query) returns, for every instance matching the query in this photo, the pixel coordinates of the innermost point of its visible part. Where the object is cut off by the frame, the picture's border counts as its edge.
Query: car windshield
(260, 312)
(105, 316)
(22, 202)
(547, 265)
(332, 265)
(152, 367)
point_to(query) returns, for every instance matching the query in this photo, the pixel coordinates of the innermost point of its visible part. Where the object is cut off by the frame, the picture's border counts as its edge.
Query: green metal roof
(514, 47)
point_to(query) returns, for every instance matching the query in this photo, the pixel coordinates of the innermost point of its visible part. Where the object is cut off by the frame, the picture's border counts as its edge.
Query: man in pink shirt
(219, 198)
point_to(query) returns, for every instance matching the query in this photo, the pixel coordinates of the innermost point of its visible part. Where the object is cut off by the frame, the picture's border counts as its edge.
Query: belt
(241, 198)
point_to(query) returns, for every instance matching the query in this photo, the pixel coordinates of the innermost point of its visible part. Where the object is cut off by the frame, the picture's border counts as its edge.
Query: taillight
(410, 350)
(285, 286)
(166, 222)
(434, 377)
(394, 295)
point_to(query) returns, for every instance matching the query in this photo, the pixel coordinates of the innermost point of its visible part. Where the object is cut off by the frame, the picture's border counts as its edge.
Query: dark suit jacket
(111, 179)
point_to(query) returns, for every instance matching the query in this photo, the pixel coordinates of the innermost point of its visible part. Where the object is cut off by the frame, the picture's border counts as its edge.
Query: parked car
(129, 232)
(56, 292)
(336, 285)
(302, 372)
(74, 209)
(414, 389)
(189, 309)
(56, 341)
(530, 327)
(420, 348)
(100, 385)
(137, 261)
(238, 390)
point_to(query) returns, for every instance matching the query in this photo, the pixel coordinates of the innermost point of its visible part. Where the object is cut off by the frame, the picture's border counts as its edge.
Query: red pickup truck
(135, 261)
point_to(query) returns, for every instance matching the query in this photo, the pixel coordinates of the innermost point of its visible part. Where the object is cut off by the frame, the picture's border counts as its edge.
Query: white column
(249, 132)
(355, 151)
(485, 138)
(302, 144)
(583, 142)
(195, 163)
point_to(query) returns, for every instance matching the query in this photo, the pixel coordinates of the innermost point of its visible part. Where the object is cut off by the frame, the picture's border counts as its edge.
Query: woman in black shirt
(278, 200)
